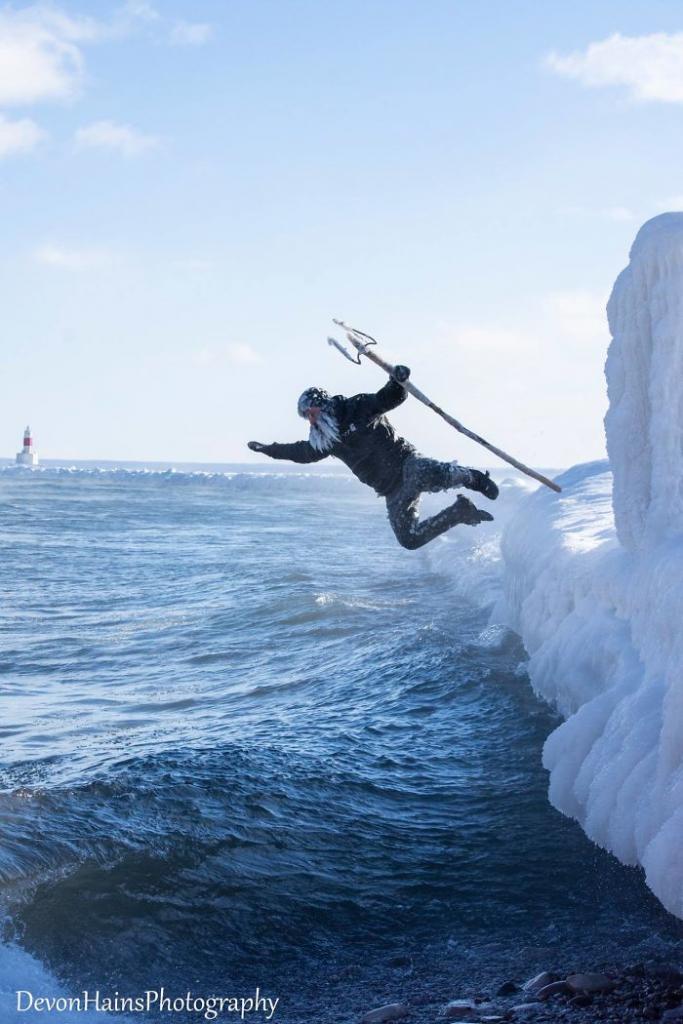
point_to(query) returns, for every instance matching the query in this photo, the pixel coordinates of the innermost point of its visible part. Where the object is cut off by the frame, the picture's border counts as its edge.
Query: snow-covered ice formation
(594, 585)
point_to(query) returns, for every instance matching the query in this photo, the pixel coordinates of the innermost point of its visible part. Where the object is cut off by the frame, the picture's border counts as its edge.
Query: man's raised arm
(387, 398)
(298, 451)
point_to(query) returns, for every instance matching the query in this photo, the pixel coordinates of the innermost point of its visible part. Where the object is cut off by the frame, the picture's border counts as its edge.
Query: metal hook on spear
(362, 343)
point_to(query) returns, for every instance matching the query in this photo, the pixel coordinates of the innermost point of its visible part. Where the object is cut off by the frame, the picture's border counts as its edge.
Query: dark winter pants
(403, 504)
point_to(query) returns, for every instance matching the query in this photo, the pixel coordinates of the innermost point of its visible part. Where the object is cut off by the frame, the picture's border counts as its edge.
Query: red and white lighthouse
(27, 456)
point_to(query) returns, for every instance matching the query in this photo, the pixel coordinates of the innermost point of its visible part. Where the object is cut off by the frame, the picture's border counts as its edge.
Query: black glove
(401, 374)
(255, 446)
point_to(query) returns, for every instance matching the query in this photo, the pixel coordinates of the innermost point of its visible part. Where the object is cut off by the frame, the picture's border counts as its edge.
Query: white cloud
(561, 330)
(488, 341)
(620, 214)
(70, 259)
(140, 10)
(530, 381)
(39, 54)
(185, 33)
(18, 136)
(651, 67)
(234, 355)
(579, 315)
(243, 355)
(139, 14)
(41, 59)
(120, 138)
(671, 204)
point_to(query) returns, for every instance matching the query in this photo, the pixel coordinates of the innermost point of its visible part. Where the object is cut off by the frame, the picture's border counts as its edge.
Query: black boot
(483, 483)
(464, 511)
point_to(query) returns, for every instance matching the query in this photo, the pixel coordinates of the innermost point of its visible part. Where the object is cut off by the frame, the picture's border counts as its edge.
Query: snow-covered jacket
(368, 443)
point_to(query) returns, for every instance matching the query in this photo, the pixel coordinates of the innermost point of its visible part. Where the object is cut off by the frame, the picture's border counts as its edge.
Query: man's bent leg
(403, 509)
(412, 534)
(430, 475)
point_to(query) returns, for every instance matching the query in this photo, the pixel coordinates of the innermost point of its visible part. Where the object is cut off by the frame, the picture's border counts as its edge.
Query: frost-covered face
(324, 432)
(316, 406)
(312, 398)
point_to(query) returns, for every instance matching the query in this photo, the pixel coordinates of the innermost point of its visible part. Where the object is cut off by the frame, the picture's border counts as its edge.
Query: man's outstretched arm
(387, 398)
(298, 451)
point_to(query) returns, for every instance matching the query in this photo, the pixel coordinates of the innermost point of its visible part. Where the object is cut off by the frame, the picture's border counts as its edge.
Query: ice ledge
(663, 230)
(644, 424)
(601, 625)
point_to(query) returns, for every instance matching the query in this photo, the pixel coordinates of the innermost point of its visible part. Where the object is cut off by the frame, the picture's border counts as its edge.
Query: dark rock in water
(581, 1000)
(392, 1011)
(459, 1009)
(590, 983)
(534, 985)
(425, 999)
(667, 974)
(467, 1010)
(555, 988)
(608, 993)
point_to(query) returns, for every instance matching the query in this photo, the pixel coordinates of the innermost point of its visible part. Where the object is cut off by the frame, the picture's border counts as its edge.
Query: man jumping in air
(356, 431)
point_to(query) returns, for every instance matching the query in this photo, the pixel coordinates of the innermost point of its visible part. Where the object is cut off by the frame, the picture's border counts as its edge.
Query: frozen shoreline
(594, 586)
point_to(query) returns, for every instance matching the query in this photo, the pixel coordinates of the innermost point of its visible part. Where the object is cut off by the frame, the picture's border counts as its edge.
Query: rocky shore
(651, 991)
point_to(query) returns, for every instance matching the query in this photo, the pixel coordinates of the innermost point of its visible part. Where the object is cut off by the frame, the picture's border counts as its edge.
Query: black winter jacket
(368, 443)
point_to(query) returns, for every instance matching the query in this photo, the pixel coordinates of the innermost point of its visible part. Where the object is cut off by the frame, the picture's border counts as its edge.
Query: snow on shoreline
(594, 585)
(601, 626)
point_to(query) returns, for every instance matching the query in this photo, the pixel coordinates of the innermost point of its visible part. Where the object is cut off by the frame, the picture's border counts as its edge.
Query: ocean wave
(178, 477)
(256, 735)
(20, 970)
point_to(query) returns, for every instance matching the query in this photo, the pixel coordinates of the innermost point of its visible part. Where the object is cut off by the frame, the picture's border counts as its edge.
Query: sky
(191, 191)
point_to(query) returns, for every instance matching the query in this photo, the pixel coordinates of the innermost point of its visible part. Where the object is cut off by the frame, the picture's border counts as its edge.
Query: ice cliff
(594, 585)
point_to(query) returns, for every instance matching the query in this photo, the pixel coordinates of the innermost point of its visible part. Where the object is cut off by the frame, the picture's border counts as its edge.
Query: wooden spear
(362, 342)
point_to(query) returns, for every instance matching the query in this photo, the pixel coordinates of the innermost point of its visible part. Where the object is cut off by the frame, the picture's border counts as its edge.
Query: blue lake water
(247, 739)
